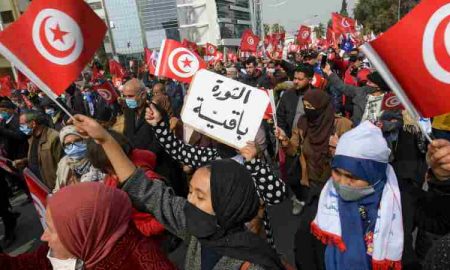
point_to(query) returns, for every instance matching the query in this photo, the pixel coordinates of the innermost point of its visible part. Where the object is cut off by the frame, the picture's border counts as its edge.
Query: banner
(224, 109)
(39, 193)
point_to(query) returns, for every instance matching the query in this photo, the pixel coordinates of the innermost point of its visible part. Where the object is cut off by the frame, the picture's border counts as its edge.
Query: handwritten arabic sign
(224, 109)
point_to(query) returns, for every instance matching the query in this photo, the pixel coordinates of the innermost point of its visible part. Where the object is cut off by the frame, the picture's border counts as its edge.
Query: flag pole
(384, 71)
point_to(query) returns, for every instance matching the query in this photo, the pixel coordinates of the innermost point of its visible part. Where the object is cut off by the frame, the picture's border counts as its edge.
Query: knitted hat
(66, 131)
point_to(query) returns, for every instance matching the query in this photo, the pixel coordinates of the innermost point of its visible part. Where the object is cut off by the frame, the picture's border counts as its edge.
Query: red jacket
(146, 223)
(132, 252)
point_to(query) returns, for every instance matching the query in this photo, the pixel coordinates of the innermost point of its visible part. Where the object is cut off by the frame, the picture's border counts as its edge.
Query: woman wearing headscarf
(222, 197)
(88, 227)
(74, 167)
(310, 140)
(359, 216)
(270, 192)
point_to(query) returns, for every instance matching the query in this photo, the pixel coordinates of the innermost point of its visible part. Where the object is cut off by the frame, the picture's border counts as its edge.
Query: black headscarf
(235, 201)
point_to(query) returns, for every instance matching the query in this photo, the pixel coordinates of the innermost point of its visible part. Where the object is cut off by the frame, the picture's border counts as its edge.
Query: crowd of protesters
(130, 181)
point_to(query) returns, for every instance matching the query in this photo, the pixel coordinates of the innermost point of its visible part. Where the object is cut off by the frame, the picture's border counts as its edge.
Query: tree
(344, 11)
(277, 28)
(380, 15)
(319, 30)
(266, 29)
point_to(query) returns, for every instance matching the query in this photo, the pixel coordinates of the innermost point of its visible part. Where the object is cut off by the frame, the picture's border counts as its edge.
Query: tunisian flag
(153, 62)
(116, 69)
(177, 62)
(107, 92)
(211, 49)
(249, 41)
(421, 79)
(57, 39)
(304, 35)
(190, 45)
(147, 56)
(39, 193)
(342, 24)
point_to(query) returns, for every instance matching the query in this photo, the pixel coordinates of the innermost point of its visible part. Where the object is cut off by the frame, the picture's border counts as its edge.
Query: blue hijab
(358, 218)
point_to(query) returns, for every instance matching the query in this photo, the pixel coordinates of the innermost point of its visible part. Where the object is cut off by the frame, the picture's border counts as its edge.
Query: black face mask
(312, 114)
(199, 223)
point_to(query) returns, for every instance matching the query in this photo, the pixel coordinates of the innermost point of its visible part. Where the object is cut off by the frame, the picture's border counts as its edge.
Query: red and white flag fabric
(293, 48)
(218, 57)
(249, 41)
(147, 56)
(177, 62)
(116, 69)
(232, 57)
(6, 86)
(57, 40)
(416, 64)
(190, 45)
(332, 37)
(22, 81)
(153, 62)
(107, 92)
(391, 102)
(304, 35)
(39, 193)
(278, 39)
(211, 50)
(342, 24)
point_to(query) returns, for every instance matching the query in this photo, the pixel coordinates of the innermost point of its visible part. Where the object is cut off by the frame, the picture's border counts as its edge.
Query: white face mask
(58, 264)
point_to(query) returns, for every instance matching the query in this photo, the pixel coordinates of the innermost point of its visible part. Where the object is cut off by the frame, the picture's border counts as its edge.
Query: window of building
(96, 5)
(7, 16)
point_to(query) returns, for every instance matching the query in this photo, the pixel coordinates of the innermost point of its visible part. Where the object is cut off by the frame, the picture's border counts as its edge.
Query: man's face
(301, 81)
(132, 92)
(250, 68)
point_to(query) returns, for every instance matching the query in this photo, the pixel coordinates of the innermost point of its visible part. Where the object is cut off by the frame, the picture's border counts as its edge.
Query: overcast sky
(296, 12)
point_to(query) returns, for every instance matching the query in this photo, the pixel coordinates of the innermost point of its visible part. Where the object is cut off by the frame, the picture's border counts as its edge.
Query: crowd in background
(130, 181)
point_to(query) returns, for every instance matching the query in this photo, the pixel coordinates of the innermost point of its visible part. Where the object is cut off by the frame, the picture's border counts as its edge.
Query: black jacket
(141, 136)
(287, 108)
(260, 80)
(12, 140)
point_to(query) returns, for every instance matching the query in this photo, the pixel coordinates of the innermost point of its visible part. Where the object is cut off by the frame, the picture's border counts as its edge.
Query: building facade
(159, 20)
(10, 10)
(220, 22)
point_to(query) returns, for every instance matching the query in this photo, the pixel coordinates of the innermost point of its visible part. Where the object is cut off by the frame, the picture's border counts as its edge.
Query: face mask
(25, 129)
(312, 114)
(352, 194)
(131, 103)
(271, 70)
(50, 112)
(76, 150)
(199, 223)
(57, 264)
(5, 116)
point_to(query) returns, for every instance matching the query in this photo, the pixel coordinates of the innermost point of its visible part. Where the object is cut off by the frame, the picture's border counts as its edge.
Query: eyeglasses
(70, 145)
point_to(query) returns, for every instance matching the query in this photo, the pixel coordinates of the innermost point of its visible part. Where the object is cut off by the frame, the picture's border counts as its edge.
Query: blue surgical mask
(50, 112)
(25, 129)
(76, 150)
(352, 194)
(131, 103)
(5, 115)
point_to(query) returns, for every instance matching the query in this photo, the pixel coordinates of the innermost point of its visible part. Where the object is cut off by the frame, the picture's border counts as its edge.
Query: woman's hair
(97, 156)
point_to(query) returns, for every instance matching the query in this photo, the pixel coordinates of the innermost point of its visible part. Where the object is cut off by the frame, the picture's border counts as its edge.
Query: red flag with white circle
(177, 62)
(211, 49)
(39, 193)
(107, 92)
(342, 24)
(249, 41)
(57, 39)
(304, 35)
(416, 64)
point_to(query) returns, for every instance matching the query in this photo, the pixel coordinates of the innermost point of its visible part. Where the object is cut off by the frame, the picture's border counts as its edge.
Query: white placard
(224, 109)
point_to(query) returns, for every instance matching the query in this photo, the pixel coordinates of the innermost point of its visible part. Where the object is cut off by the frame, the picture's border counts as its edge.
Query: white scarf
(388, 233)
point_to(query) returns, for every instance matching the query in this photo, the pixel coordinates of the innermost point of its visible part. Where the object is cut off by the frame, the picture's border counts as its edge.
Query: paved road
(29, 230)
